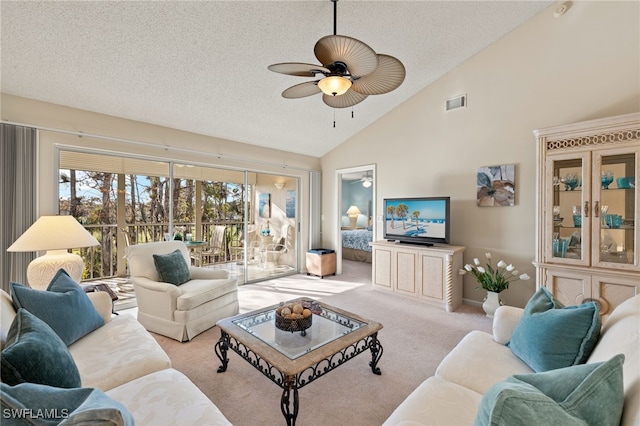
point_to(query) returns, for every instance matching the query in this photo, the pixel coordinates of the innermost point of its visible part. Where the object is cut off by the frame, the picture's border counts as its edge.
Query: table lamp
(353, 213)
(55, 234)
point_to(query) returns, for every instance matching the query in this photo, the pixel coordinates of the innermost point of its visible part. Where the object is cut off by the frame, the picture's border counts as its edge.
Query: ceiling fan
(350, 71)
(366, 180)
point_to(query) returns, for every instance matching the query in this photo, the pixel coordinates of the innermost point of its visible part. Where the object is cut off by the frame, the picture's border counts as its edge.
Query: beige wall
(154, 142)
(580, 66)
(550, 71)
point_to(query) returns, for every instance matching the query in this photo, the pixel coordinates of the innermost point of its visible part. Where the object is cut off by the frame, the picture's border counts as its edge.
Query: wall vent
(455, 103)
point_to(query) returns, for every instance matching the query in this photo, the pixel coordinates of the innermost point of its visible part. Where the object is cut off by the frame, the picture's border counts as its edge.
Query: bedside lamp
(353, 213)
(55, 234)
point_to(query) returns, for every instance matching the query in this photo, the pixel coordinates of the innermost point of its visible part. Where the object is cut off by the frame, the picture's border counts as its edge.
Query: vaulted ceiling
(201, 66)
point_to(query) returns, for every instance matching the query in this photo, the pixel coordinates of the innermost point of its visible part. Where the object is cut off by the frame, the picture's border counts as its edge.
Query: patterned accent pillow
(172, 267)
(34, 353)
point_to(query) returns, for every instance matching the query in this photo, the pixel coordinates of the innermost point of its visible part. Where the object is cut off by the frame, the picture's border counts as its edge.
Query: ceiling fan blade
(298, 69)
(350, 98)
(302, 90)
(359, 58)
(387, 77)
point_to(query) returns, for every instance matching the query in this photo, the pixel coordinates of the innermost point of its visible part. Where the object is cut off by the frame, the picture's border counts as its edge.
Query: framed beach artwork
(290, 204)
(264, 205)
(496, 186)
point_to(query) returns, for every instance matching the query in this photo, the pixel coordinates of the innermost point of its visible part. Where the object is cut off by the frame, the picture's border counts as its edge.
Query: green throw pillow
(172, 267)
(50, 405)
(64, 306)
(583, 394)
(34, 353)
(550, 335)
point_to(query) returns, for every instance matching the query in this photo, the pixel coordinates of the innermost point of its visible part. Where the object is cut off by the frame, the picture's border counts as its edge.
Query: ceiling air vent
(457, 102)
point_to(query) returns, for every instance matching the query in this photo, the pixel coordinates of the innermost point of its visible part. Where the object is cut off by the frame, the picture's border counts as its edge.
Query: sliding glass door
(239, 220)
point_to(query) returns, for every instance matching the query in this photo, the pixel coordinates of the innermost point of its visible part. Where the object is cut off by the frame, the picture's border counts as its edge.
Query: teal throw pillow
(30, 403)
(64, 306)
(583, 394)
(34, 353)
(550, 335)
(172, 267)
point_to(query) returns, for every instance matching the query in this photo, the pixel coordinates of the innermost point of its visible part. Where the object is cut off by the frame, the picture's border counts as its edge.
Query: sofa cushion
(34, 353)
(120, 351)
(621, 334)
(80, 406)
(577, 395)
(198, 292)
(64, 306)
(437, 402)
(167, 397)
(172, 268)
(550, 335)
(472, 352)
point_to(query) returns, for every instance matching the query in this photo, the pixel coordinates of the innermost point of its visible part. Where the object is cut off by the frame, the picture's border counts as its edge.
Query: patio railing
(103, 261)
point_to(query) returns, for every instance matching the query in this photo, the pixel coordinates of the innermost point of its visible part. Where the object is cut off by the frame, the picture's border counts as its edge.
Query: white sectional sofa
(122, 359)
(453, 396)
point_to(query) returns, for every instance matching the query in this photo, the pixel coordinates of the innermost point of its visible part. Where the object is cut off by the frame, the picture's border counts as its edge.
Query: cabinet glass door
(615, 203)
(568, 215)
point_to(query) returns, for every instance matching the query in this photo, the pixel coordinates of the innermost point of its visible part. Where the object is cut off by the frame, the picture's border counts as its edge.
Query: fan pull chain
(351, 112)
(334, 118)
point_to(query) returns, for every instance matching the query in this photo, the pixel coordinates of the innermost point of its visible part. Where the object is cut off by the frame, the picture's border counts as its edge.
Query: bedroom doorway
(355, 216)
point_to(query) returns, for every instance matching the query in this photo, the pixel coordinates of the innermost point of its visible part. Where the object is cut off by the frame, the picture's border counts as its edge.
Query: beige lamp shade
(353, 213)
(55, 234)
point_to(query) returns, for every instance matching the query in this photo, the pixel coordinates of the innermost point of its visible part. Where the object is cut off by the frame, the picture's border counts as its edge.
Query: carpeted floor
(415, 338)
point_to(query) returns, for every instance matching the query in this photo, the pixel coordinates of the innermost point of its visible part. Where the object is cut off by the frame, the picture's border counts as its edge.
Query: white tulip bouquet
(490, 279)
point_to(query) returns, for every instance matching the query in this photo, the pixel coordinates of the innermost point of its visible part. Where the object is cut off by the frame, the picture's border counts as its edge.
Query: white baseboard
(472, 302)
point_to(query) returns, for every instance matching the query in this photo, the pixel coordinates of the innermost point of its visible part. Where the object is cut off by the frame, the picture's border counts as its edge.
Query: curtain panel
(18, 166)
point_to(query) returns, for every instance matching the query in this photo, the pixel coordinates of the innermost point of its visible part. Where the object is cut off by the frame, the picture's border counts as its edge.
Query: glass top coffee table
(293, 359)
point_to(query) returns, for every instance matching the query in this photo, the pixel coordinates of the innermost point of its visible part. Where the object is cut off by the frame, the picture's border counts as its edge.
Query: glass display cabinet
(587, 223)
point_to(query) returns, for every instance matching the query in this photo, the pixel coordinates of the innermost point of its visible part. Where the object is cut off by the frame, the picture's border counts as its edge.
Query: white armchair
(179, 312)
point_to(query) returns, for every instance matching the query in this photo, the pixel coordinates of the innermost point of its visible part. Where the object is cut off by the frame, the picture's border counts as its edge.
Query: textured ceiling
(202, 66)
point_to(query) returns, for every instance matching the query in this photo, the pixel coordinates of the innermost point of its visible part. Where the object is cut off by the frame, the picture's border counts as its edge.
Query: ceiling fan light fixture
(350, 71)
(334, 85)
(366, 183)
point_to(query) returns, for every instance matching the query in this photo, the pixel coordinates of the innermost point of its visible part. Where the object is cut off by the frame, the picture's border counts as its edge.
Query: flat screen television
(422, 220)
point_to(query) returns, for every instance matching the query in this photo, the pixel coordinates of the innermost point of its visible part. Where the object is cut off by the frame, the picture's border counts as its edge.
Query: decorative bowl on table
(293, 316)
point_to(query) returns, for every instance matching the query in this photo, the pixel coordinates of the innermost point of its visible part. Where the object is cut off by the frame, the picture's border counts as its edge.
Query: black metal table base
(289, 403)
